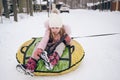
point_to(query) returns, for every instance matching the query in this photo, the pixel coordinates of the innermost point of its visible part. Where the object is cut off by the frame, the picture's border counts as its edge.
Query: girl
(52, 45)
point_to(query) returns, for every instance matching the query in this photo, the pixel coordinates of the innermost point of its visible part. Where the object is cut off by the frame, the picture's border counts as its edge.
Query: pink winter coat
(45, 39)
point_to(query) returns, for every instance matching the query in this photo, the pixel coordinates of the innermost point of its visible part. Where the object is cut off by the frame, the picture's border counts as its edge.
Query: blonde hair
(61, 32)
(55, 10)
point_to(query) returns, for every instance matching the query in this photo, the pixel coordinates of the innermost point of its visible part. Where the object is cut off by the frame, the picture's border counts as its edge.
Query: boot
(28, 68)
(44, 57)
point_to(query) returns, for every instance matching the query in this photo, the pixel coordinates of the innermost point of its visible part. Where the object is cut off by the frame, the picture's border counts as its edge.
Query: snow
(102, 54)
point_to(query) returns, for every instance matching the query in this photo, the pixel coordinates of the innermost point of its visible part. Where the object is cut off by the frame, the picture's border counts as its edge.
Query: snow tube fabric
(69, 61)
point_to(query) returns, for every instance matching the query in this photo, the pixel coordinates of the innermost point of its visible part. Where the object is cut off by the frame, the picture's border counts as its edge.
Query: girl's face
(55, 30)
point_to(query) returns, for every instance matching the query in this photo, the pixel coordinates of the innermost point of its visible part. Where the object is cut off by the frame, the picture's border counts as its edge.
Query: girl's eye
(54, 27)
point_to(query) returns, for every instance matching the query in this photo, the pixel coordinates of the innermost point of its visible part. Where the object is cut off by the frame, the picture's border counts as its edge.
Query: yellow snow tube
(69, 61)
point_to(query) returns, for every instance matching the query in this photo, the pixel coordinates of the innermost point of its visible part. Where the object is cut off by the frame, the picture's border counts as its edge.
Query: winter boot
(45, 58)
(21, 69)
(28, 68)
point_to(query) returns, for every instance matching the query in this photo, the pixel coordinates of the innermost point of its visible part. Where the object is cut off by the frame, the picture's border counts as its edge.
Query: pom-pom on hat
(55, 10)
(55, 20)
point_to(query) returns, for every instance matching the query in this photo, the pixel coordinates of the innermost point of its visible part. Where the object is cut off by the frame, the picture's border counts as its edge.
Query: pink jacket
(43, 43)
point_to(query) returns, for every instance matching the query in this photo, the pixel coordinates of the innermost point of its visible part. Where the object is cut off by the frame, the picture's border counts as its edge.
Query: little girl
(52, 45)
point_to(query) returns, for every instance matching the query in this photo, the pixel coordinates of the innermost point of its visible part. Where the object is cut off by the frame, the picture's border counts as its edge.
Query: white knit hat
(55, 20)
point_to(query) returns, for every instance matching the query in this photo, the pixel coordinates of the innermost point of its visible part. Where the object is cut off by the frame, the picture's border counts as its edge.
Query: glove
(67, 39)
(54, 58)
(31, 64)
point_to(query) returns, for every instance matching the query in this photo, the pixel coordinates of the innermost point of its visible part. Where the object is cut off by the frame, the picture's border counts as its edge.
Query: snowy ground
(102, 54)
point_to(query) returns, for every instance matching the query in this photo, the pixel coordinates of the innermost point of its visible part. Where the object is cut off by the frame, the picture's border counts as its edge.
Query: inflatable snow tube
(69, 61)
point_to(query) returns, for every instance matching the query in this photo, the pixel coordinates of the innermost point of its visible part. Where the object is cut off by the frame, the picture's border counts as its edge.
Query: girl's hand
(67, 39)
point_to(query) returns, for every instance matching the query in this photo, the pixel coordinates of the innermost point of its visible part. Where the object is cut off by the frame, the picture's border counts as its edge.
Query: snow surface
(102, 54)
